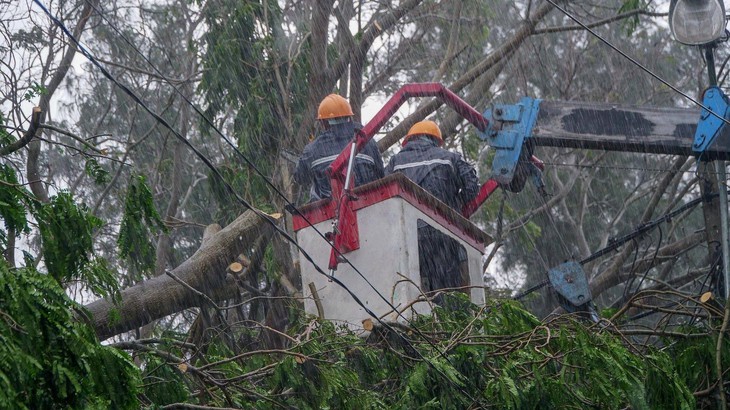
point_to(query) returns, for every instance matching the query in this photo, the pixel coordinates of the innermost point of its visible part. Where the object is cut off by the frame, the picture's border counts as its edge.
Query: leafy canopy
(499, 356)
(50, 359)
(139, 223)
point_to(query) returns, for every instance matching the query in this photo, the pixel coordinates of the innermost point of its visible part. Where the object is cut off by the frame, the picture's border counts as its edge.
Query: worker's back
(449, 178)
(440, 172)
(320, 153)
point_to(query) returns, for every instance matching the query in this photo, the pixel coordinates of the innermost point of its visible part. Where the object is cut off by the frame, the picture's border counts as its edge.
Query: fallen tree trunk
(204, 272)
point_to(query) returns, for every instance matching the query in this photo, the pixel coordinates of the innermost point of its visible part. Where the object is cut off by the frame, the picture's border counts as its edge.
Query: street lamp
(702, 23)
(697, 22)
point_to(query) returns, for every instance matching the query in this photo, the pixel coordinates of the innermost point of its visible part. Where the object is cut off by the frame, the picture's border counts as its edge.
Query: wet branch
(35, 123)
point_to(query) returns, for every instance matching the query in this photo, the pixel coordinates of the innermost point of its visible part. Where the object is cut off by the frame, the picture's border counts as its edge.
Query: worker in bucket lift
(335, 118)
(452, 180)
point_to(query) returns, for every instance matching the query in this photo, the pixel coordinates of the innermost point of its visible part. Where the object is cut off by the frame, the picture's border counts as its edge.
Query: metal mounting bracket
(710, 126)
(509, 127)
(569, 280)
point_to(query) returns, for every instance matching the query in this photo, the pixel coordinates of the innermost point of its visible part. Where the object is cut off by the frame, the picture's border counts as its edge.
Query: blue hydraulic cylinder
(509, 127)
(710, 125)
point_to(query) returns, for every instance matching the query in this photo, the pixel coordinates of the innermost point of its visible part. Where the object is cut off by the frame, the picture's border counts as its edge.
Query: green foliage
(166, 384)
(140, 223)
(5, 137)
(499, 356)
(48, 359)
(34, 91)
(632, 23)
(471, 145)
(12, 203)
(264, 108)
(329, 380)
(664, 370)
(66, 230)
(96, 171)
(99, 279)
(694, 360)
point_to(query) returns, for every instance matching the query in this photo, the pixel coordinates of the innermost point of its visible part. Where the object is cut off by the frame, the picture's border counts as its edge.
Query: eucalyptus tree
(46, 349)
(259, 69)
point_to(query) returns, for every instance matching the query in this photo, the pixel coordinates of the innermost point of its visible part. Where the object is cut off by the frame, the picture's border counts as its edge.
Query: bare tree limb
(34, 147)
(72, 136)
(602, 22)
(610, 277)
(524, 32)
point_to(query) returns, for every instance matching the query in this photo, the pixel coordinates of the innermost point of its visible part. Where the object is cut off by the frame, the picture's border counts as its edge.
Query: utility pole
(703, 23)
(712, 176)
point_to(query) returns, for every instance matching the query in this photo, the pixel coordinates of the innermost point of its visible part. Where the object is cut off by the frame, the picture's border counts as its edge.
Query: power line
(615, 243)
(643, 68)
(165, 124)
(632, 60)
(209, 164)
(200, 156)
(246, 159)
(615, 167)
(241, 155)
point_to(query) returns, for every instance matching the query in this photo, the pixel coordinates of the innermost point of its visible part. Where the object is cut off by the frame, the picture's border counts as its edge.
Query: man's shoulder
(307, 150)
(322, 138)
(440, 152)
(451, 154)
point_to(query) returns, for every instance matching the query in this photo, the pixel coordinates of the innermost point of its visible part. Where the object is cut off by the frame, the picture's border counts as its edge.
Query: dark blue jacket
(320, 153)
(442, 173)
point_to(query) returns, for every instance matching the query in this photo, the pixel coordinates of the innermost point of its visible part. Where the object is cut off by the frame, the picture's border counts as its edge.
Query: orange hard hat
(334, 106)
(429, 128)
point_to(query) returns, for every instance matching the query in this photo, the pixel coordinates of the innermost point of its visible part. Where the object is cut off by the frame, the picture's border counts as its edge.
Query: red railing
(345, 236)
(390, 108)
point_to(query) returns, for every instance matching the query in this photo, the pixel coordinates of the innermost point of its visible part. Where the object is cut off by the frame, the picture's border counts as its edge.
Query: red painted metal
(390, 108)
(348, 236)
(489, 187)
(314, 213)
(484, 192)
(538, 163)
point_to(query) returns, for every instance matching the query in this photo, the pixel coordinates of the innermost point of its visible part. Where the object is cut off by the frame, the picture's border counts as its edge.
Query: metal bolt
(701, 141)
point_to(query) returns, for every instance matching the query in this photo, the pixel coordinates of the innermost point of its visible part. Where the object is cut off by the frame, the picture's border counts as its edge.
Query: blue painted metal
(569, 280)
(709, 126)
(509, 127)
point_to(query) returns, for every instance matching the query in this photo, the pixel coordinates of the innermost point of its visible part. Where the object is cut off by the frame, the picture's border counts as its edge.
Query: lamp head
(697, 22)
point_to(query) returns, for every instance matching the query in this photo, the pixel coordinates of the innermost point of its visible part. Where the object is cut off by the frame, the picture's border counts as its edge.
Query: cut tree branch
(35, 122)
(160, 296)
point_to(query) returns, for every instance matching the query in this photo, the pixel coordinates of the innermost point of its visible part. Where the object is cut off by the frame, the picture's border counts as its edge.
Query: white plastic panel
(387, 259)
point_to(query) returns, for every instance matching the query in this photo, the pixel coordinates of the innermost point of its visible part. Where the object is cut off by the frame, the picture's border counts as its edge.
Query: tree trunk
(204, 272)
